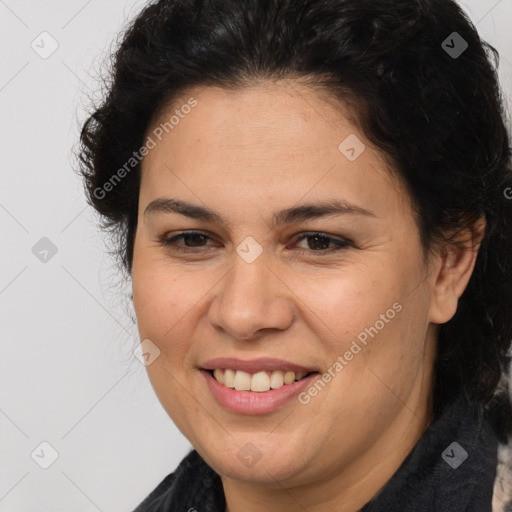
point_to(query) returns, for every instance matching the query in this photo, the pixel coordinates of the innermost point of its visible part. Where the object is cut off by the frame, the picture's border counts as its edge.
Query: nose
(251, 299)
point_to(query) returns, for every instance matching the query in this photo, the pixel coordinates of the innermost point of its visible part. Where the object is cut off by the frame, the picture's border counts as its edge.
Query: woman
(312, 200)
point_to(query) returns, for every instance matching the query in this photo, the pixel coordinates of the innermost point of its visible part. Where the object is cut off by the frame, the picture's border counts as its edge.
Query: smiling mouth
(258, 382)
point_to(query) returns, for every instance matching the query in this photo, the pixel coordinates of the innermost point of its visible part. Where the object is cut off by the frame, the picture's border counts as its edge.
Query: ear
(453, 269)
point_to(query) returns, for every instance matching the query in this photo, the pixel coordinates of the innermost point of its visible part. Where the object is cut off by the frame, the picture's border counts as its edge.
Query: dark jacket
(452, 468)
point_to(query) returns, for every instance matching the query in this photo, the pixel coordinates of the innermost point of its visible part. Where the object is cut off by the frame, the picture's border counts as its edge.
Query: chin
(255, 461)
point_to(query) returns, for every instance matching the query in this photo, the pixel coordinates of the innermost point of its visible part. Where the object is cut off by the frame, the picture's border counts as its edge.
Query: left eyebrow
(316, 210)
(302, 212)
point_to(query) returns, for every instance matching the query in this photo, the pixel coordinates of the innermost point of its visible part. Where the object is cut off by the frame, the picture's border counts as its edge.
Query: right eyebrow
(287, 216)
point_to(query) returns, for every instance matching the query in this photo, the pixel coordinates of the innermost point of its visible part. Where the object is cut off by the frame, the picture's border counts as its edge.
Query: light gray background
(68, 374)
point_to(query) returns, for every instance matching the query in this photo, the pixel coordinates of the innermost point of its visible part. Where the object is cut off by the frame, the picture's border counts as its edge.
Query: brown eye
(319, 242)
(191, 239)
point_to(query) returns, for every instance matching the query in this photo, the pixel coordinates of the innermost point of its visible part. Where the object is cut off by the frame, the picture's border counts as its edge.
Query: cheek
(352, 301)
(371, 316)
(164, 306)
(160, 299)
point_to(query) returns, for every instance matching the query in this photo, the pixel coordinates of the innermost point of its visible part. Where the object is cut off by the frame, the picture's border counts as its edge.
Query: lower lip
(253, 402)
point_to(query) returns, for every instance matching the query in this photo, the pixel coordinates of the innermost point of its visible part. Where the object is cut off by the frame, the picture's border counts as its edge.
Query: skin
(246, 154)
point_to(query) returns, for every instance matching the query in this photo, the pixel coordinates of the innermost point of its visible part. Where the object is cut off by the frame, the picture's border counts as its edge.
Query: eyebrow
(302, 212)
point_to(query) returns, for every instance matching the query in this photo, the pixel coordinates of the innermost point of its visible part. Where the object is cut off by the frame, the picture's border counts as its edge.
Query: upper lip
(254, 365)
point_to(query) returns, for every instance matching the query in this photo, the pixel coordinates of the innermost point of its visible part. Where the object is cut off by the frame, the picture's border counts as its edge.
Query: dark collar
(433, 478)
(451, 469)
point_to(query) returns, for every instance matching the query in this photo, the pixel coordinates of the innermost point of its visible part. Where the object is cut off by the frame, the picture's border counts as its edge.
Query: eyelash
(339, 243)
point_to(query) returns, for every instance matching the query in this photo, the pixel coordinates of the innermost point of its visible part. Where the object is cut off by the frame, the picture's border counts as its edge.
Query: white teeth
(242, 381)
(229, 378)
(289, 377)
(258, 382)
(217, 373)
(276, 379)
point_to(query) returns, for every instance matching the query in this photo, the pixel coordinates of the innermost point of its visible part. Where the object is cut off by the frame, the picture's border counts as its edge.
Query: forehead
(283, 118)
(278, 139)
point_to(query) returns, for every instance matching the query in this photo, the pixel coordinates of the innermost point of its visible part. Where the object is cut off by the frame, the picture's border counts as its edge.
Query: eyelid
(340, 242)
(167, 241)
(322, 234)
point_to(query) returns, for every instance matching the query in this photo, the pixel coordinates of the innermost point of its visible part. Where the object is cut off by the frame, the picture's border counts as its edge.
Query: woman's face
(255, 289)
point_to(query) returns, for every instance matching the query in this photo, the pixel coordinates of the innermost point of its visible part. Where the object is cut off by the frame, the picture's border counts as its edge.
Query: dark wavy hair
(438, 117)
